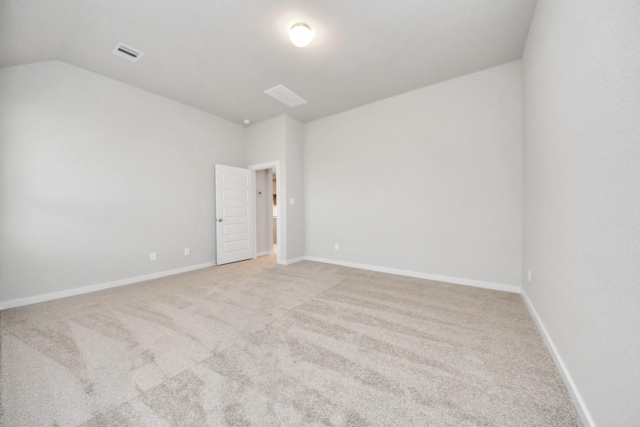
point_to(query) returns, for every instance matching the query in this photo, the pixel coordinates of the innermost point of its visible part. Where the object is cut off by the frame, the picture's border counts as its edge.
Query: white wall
(428, 181)
(265, 141)
(582, 195)
(294, 152)
(96, 174)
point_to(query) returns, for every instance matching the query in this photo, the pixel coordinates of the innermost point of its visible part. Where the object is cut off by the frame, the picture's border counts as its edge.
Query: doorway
(270, 214)
(274, 210)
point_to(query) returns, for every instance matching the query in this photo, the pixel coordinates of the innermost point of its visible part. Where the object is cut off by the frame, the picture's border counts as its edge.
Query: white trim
(293, 261)
(579, 404)
(265, 165)
(420, 275)
(265, 253)
(92, 288)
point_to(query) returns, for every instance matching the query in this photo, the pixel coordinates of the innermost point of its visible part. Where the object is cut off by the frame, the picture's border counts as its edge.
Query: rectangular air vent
(126, 52)
(284, 95)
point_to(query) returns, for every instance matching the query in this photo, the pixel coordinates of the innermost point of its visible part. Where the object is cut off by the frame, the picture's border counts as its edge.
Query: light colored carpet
(254, 343)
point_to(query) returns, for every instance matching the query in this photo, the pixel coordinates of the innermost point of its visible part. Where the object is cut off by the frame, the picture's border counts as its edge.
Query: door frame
(281, 223)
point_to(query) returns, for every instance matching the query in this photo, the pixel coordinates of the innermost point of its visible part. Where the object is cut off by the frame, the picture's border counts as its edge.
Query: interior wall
(428, 181)
(294, 151)
(264, 211)
(95, 175)
(582, 196)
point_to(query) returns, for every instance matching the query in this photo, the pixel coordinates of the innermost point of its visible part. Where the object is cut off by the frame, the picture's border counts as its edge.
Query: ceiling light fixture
(300, 34)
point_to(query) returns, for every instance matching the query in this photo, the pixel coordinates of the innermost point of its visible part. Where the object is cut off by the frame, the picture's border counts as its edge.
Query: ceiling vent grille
(127, 52)
(284, 95)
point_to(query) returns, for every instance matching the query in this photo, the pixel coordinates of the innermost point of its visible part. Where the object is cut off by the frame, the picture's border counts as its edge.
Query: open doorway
(270, 223)
(274, 210)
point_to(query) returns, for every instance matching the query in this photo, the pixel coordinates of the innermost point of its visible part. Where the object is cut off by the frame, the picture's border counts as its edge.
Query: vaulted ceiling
(221, 55)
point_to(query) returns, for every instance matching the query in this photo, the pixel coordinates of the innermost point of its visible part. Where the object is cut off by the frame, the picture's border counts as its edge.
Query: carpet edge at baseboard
(128, 281)
(100, 286)
(575, 395)
(419, 275)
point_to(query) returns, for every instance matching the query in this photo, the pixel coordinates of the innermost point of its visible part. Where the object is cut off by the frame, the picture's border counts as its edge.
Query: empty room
(296, 213)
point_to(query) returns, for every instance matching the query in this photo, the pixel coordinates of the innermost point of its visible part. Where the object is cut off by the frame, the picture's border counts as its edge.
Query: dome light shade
(300, 34)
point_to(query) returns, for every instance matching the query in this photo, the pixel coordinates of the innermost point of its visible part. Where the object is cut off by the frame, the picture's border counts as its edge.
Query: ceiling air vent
(284, 95)
(126, 52)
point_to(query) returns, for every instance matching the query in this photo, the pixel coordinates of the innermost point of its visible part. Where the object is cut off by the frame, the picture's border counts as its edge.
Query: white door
(235, 214)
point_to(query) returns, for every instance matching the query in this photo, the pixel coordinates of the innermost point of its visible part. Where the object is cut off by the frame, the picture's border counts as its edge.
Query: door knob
(219, 219)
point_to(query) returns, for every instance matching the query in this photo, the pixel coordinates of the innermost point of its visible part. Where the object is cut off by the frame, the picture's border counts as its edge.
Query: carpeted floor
(254, 343)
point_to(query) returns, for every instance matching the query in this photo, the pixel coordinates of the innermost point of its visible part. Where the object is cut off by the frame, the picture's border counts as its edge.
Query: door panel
(234, 211)
(230, 229)
(235, 214)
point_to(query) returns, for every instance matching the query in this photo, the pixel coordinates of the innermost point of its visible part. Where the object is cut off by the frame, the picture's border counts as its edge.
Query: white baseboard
(420, 275)
(579, 404)
(265, 253)
(293, 261)
(92, 288)
(128, 281)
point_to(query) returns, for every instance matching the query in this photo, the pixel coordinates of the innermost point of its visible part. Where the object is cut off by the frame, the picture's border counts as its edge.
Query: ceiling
(221, 55)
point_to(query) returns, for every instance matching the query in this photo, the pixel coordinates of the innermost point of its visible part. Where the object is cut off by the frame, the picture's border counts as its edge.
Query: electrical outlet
(337, 246)
(152, 256)
(292, 201)
(187, 251)
(529, 275)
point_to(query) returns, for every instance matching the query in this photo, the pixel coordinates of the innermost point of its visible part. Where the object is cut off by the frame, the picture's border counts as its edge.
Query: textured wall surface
(95, 175)
(582, 195)
(295, 188)
(428, 181)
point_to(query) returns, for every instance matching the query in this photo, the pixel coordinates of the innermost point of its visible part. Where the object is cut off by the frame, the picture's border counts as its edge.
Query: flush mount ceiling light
(300, 34)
